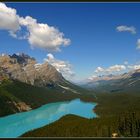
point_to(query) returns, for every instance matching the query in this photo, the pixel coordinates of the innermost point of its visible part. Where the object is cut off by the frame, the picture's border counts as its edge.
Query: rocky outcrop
(24, 68)
(21, 106)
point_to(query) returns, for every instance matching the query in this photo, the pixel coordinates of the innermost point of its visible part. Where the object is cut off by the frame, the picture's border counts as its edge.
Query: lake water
(19, 123)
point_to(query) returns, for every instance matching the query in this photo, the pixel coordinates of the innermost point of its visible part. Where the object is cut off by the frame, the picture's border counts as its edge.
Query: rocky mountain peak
(24, 68)
(22, 58)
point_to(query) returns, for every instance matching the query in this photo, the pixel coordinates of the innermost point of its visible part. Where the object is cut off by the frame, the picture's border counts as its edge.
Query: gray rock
(25, 69)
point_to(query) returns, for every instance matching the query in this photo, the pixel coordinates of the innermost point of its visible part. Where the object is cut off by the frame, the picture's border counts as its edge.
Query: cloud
(134, 67)
(125, 62)
(138, 44)
(63, 67)
(20, 34)
(115, 68)
(92, 77)
(111, 69)
(8, 18)
(99, 69)
(43, 36)
(124, 28)
(101, 73)
(39, 35)
(50, 57)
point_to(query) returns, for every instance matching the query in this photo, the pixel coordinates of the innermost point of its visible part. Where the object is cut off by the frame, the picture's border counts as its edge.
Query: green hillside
(118, 113)
(15, 91)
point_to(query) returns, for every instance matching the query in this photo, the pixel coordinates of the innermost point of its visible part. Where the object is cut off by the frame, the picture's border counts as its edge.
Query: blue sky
(91, 27)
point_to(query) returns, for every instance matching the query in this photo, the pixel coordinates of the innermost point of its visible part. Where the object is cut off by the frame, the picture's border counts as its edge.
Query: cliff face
(24, 68)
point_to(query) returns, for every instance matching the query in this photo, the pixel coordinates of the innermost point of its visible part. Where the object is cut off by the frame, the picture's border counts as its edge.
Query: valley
(32, 86)
(69, 70)
(118, 114)
(15, 92)
(43, 115)
(25, 90)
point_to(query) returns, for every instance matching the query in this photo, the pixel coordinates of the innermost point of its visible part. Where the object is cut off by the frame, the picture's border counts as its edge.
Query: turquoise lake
(13, 126)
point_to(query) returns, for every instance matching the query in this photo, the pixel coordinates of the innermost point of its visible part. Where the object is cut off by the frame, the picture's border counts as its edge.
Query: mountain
(99, 81)
(127, 82)
(25, 84)
(23, 68)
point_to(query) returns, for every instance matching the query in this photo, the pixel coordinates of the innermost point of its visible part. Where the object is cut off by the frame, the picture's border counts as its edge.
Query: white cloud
(50, 57)
(92, 77)
(100, 72)
(103, 73)
(99, 69)
(138, 44)
(63, 67)
(134, 67)
(18, 35)
(8, 18)
(39, 35)
(111, 69)
(126, 62)
(115, 68)
(124, 28)
(43, 36)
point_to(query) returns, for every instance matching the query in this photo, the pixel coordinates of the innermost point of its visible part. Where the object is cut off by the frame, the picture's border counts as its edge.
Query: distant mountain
(127, 82)
(25, 84)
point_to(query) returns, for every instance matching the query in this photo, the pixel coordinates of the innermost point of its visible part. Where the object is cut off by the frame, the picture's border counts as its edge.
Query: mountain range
(126, 82)
(24, 68)
(25, 84)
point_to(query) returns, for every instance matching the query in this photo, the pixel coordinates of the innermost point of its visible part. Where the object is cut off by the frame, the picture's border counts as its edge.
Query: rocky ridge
(24, 68)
